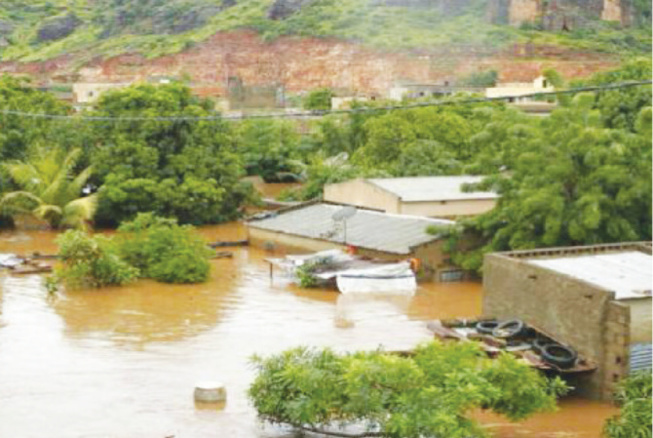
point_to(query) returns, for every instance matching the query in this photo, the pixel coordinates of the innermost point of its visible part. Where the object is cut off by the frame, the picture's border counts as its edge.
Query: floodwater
(123, 362)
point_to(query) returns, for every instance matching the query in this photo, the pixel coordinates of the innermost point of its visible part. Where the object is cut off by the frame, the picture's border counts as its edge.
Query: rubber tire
(486, 327)
(551, 354)
(501, 331)
(539, 344)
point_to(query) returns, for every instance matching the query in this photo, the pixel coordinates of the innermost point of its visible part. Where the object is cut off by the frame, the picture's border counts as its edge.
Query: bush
(634, 420)
(427, 395)
(164, 250)
(318, 99)
(91, 261)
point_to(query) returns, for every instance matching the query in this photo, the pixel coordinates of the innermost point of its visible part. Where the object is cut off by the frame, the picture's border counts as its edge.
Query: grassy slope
(356, 20)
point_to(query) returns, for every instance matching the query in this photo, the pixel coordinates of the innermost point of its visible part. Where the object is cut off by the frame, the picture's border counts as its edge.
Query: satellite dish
(344, 213)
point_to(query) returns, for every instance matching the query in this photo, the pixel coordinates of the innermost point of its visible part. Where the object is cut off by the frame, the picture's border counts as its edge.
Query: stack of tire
(551, 352)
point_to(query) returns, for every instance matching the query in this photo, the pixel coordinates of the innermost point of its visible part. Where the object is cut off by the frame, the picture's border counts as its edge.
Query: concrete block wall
(617, 347)
(574, 312)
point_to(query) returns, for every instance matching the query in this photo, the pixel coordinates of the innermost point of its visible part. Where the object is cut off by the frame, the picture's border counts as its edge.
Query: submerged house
(431, 196)
(595, 299)
(322, 226)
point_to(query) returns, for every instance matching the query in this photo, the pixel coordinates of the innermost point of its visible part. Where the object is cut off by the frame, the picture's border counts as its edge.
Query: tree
(91, 261)
(175, 168)
(319, 99)
(267, 147)
(577, 182)
(18, 134)
(162, 250)
(428, 394)
(634, 398)
(50, 189)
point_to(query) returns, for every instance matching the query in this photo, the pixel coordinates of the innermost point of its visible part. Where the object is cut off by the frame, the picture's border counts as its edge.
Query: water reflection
(148, 311)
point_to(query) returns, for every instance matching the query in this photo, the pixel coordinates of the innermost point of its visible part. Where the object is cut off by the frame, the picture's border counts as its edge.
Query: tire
(509, 329)
(559, 355)
(486, 327)
(539, 344)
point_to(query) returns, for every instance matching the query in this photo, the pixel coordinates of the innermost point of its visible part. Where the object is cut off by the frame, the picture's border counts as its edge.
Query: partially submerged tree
(91, 261)
(50, 189)
(429, 394)
(163, 250)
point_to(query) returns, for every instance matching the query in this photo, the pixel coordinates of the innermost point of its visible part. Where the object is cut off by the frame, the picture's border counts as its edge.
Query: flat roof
(391, 233)
(432, 188)
(628, 274)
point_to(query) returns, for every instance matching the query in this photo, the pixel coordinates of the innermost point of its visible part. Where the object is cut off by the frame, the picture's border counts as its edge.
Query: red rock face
(301, 64)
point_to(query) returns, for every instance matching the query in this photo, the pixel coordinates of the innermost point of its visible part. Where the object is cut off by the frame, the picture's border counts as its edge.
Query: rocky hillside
(357, 46)
(37, 30)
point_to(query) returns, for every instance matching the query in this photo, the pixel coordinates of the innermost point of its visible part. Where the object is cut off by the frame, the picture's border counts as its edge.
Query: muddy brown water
(123, 362)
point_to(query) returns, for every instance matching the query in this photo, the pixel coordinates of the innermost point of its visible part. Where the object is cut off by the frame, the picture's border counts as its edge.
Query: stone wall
(572, 311)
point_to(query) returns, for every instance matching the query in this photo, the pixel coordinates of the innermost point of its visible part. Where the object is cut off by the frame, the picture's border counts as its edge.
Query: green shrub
(91, 261)
(164, 250)
(318, 99)
(634, 420)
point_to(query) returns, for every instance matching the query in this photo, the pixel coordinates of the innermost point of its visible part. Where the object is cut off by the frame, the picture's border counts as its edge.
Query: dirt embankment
(301, 64)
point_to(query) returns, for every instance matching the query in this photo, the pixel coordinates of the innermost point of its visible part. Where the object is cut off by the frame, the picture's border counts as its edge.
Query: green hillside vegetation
(39, 30)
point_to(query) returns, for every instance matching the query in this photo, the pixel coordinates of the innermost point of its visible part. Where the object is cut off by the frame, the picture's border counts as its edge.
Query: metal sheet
(391, 233)
(641, 357)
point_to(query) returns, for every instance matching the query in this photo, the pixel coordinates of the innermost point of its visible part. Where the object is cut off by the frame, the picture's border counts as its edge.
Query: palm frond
(50, 213)
(76, 213)
(19, 200)
(75, 187)
(59, 174)
(25, 176)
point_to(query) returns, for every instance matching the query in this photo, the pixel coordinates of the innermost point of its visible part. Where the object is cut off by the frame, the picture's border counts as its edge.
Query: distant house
(432, 196)
(596, 299)
(339, 103)
(519, 91)
(89, 92)
(422, 90)
(316, 227)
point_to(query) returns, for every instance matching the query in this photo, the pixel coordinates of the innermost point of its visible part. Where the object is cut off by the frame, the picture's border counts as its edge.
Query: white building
(519, 89)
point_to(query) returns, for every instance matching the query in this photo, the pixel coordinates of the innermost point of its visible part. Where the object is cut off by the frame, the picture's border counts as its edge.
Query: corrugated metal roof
(641, 357)
(384, 232)
(628, 274)
(431, 188)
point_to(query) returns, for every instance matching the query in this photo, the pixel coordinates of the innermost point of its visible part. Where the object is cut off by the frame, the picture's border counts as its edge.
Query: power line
(323, 113)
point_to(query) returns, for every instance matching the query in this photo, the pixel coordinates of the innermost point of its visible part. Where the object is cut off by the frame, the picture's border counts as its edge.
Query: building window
(452, 276)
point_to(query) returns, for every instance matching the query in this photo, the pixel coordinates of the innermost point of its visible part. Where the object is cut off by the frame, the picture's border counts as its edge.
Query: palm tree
(49, 190)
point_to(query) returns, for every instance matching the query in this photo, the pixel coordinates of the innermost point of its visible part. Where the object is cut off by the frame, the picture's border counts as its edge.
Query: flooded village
(125, 359)
(318, 218)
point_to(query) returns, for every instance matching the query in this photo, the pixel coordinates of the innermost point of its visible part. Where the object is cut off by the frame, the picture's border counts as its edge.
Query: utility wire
(322, 113)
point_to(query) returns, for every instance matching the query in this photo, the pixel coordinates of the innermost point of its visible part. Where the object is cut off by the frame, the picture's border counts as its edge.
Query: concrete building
(87, 92)
(596, 299)
(539, 85)
(313, 227)
(432, 196)
(418, 91)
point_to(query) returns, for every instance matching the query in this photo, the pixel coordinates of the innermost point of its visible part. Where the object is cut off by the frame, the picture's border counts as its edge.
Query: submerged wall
(575, 313)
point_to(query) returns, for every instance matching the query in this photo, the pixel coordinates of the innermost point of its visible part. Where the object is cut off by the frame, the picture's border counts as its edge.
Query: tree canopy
(428, 394)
